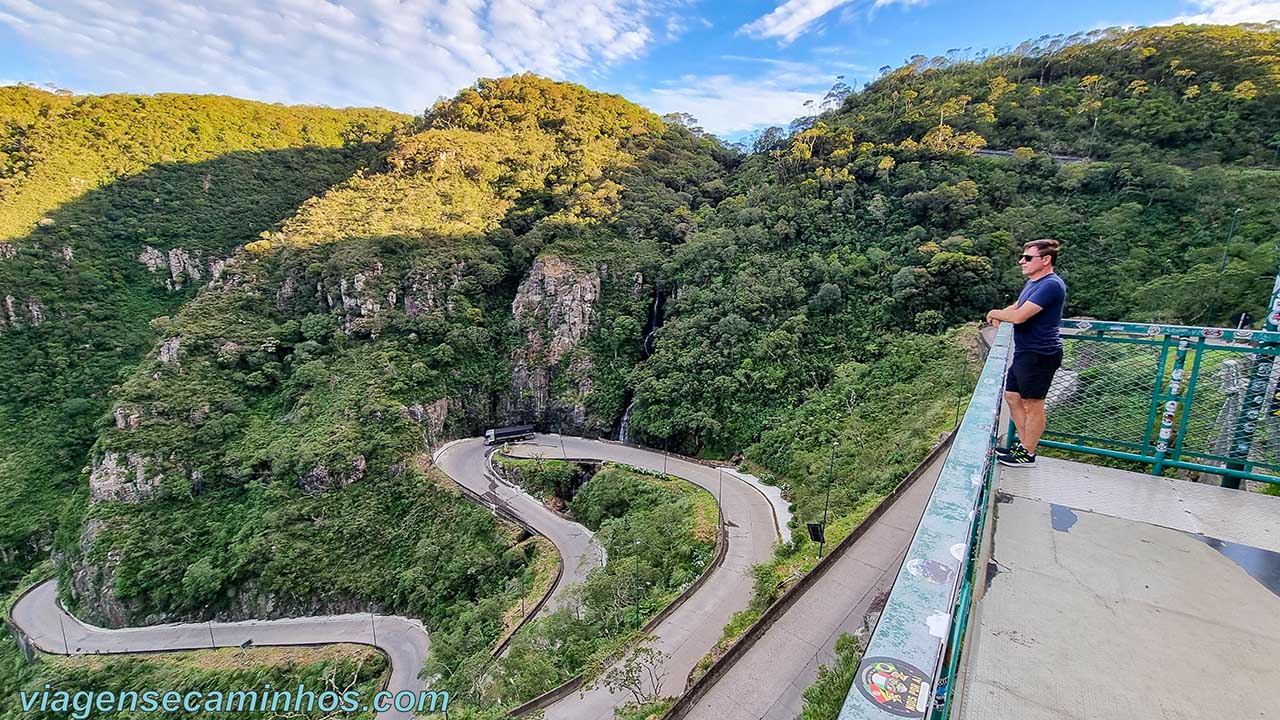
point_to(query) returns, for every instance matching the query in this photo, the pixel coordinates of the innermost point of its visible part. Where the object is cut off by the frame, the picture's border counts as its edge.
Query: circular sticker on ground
(895, 686)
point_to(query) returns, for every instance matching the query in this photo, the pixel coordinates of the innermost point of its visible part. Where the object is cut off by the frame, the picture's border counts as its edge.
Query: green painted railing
(907, 657)
(1199, 400)
(1205, 401)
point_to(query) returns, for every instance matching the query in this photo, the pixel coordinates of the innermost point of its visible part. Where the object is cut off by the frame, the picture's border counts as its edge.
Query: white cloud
(1230, 12)
(401, 54)
(794, 18)
(728, 105)
(791, 19)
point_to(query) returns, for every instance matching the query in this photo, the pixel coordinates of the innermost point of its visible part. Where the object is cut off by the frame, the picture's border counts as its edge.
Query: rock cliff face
(429, 418)
(17, 311)
(125, 479)
(93, 584)
(554, 309)
(363, 296)
(183, 267)
(321, 479)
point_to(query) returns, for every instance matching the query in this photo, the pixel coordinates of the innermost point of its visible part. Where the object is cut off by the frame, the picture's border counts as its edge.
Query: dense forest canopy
(113, 211)
(248, 317)
(55, 147)
(1196, 95)
(877, 217)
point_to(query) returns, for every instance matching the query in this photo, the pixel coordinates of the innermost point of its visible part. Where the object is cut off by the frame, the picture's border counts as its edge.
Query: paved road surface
(693, 629)
(466, 462)
(753, 515)
(42, 618)
(768, 681)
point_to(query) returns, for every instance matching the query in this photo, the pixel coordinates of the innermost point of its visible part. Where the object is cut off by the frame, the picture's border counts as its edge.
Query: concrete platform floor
(1113, 595)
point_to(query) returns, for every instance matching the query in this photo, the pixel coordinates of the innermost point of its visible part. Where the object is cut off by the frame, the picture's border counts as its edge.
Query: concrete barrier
(780, 606)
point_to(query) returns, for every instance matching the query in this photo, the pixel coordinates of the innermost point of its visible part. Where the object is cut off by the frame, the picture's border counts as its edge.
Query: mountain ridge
(533, 251)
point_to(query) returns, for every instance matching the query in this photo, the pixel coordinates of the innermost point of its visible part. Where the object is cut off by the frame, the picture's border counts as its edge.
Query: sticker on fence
(895, 686)
(931, 570)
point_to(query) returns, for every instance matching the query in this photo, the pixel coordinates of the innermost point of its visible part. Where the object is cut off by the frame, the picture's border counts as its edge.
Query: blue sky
(736, 66)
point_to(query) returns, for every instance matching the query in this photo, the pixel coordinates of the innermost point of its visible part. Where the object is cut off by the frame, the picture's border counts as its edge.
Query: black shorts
(1031, 373)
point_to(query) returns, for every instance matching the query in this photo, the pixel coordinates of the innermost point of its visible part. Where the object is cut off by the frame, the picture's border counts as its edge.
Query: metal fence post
(1246, 421)
(1172, 401)
(1255, 395)
(1157, 389)
(1189, 398)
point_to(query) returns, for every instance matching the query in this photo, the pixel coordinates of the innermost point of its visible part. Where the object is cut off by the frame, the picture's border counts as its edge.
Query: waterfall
(646, 349)
(624, 431)
(652, 324)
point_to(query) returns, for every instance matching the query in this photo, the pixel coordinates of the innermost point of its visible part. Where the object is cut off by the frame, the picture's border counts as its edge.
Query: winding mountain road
(40, 617)
(754, 515)
(467, 463)
(767, 682)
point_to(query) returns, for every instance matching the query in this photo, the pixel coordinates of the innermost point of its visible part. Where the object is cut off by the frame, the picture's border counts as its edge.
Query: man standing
(1037, 348)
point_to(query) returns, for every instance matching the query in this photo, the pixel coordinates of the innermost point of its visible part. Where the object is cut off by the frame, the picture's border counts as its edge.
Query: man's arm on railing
(1014, 313)
(993, 321)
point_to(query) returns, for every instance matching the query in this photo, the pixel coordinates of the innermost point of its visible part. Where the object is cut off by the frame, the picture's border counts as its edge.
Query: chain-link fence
(1202, 400)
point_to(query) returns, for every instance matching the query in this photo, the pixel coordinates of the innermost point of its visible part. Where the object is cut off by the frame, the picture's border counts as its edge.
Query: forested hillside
(1193, 95)
(113, 210)
(56, 147)
(870, 221)
(463, 277)
(253, 328)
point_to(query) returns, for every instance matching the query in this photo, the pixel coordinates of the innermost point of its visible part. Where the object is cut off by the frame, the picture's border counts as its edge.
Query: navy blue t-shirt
(1039, 333)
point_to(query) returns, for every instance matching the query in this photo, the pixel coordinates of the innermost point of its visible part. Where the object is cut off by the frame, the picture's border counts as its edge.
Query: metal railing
(1202, 400)
(908, 657)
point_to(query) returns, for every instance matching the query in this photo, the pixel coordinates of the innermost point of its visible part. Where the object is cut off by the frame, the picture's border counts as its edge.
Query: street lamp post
(1235, 217)
(66, 646)
(827, 503)
(1222, 266)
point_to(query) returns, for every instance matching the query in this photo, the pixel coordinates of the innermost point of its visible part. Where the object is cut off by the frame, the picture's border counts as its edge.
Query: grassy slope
(110, 175)
(338, 668)
(660, 534)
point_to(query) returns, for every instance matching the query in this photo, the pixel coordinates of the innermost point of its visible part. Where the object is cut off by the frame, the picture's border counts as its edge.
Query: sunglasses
(1028, 258)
